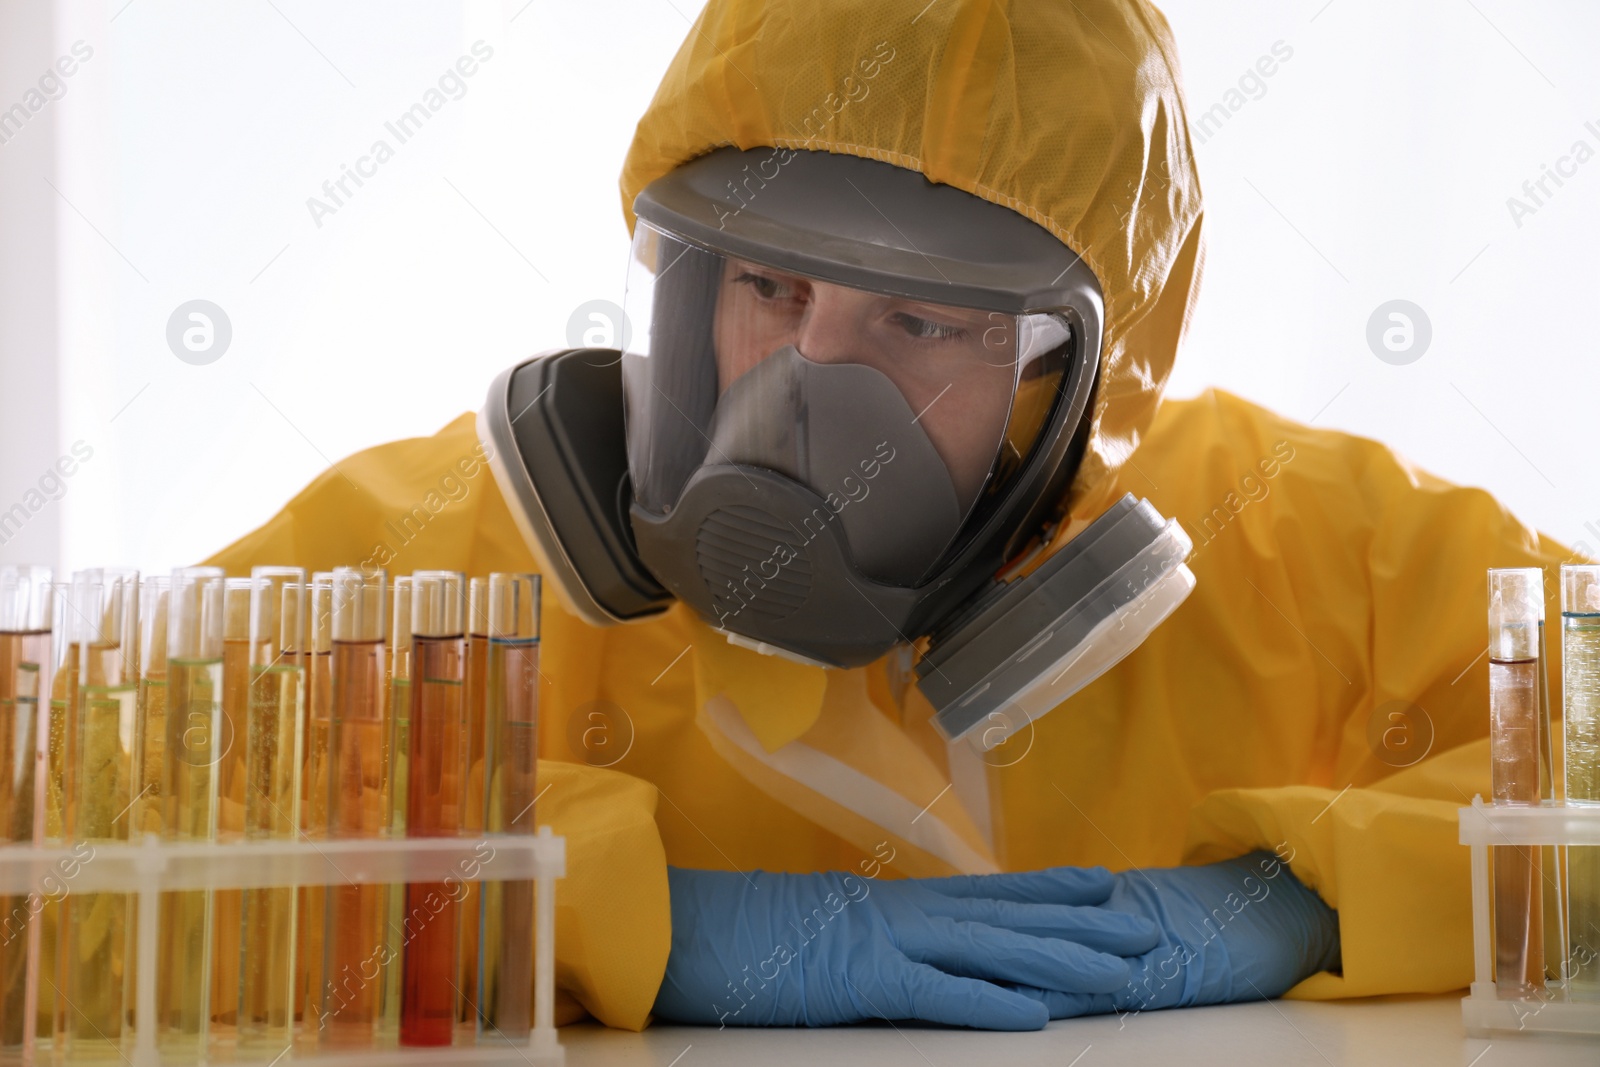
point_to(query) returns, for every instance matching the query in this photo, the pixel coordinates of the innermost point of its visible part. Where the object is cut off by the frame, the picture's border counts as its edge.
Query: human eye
(768, 286)
(924, 329)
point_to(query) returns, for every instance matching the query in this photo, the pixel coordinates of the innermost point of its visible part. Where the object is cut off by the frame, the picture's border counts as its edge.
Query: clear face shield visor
(906, 419)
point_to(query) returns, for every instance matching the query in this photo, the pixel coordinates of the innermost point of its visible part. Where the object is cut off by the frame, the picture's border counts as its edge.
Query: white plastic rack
(153, 867)
(1484, 826)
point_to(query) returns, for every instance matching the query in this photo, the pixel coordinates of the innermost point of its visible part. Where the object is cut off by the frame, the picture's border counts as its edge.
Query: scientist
(894, 480)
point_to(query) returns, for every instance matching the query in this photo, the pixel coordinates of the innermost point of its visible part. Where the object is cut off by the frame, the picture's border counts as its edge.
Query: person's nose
(832, 330)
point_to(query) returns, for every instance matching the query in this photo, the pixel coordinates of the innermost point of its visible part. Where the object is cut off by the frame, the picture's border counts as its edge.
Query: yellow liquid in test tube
(314, 824)
(63, 725)
(396, 751)
(268, 960)
(314, 804)
(227, 908)
(51, 921)
(24, 663)
(1581, 685)
(194, 741)
(399, 769)
(99, 925)
(150, 806)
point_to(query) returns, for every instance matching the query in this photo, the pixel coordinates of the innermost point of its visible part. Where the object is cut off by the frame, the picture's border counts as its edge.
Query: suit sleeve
(1380, 844)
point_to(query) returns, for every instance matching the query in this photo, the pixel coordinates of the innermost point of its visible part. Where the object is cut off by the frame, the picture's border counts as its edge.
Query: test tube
(195, 743)
(236, 675)
(511, 755)
(98, 925)
(1580, 669)
(273, 742)
(149, 747)
(54, 790)
(433, 802)
(1516, 619)
(25, 620)
(314, 783)
(397, 745)
(397, 760)
(353, 941)
(25, 615)
(71, 618)
(314, 797)
(472, 803)
(227, 905)
(149, 808)
(88, 611)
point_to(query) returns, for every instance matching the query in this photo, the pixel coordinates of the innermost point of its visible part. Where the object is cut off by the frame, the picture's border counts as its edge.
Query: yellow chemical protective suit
(1323, 692)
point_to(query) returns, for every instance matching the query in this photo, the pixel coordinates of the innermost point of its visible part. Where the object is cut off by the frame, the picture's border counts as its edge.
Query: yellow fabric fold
(1361, 850)
(613, 924)
(779, 699)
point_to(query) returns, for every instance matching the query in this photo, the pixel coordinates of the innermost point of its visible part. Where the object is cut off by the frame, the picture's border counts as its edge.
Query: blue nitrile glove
(1246, 929)
(822, 949)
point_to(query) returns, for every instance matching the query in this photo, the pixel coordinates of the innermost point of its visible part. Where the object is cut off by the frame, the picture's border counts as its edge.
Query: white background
(1374, 164)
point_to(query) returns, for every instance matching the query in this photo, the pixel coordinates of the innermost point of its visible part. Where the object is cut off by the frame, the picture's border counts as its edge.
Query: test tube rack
(1484, 826)
(153, 866)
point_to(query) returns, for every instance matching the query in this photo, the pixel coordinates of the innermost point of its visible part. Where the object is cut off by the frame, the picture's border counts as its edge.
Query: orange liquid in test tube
(354, 925)
(433, 803)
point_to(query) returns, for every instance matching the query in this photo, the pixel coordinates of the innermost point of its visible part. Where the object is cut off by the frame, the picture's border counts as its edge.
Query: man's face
(955, 367)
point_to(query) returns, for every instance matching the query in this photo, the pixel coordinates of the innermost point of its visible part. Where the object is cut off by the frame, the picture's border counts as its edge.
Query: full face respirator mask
(843, 414)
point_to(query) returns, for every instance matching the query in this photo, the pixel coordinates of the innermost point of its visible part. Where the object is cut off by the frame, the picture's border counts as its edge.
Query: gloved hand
(823, 949)
(1246, 929)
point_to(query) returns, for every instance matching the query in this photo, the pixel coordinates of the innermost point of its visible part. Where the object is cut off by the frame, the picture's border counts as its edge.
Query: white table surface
(1409, 1031)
